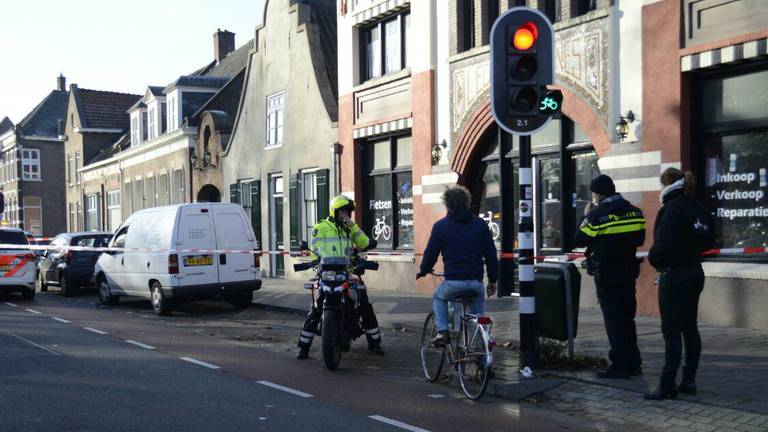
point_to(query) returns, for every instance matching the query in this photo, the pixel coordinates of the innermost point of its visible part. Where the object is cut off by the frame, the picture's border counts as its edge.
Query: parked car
(70, 269)
(178, 267)
(17, 265)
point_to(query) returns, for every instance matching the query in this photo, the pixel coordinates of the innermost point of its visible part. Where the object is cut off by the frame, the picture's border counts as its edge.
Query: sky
(109, 45)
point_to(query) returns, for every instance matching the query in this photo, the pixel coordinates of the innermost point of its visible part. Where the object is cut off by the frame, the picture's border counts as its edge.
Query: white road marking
(97, 331)
(11, 304)
(285, 389)
(200, 363)
(31, 343)
(262, 418)
(396, 423)
(140, 345)
(61, 320)
(33, 311)
(436, 395)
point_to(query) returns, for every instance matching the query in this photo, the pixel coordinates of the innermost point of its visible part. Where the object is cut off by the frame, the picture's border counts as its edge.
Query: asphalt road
(66, 364)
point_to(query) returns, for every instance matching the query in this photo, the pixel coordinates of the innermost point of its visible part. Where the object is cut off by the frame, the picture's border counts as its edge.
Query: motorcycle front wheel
(331, 339)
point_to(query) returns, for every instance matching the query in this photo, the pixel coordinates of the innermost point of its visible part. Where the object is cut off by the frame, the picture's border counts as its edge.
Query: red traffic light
(525, 36)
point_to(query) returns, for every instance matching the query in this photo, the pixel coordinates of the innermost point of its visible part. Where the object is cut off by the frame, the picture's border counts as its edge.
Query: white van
(176, 261)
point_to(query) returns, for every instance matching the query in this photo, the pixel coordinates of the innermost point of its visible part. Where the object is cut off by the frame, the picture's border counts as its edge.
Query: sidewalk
(732, 379)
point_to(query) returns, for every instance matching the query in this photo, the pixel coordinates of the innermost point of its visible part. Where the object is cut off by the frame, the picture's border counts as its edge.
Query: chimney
(223, 44)
(61, 83)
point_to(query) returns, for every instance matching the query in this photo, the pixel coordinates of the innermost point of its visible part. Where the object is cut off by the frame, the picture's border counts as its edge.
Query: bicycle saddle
(463, 296)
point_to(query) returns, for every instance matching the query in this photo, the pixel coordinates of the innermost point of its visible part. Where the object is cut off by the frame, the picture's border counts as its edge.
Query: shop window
(733, 158)
(550, 224)
(389, 192)
(383, 46)
(490, 202)
(736, 188)
(584, 169)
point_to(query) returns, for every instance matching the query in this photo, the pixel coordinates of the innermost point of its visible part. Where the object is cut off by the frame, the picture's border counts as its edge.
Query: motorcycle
(341, 289)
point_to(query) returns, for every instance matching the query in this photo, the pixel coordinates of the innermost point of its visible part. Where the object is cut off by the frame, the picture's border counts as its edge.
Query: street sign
(522, 65)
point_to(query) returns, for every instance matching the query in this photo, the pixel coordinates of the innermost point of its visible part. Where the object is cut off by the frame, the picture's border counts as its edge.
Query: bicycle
(381, 229)
(470, 353)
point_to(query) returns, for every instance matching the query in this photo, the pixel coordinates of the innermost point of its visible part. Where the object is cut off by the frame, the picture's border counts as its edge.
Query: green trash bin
(553, 280)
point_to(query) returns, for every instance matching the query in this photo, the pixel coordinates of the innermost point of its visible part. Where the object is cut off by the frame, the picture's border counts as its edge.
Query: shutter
(294, 212)
(323, 197)
(234, 193)
(255, 191)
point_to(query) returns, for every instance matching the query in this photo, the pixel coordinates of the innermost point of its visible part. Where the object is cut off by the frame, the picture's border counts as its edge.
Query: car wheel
(28, 293)
(160, 304)
(66, 289)
(105, 292)
(41, 282)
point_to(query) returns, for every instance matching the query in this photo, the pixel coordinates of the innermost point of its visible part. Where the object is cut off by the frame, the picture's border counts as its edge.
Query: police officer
(612, 231)
(332, 237)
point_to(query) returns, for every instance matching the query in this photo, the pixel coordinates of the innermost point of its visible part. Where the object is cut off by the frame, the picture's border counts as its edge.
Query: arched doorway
(209, 193)
(564, 162)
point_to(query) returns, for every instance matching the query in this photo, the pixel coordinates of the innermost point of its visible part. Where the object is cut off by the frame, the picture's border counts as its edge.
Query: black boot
(376, 349)
(662, 393)
(687, 387)
(303, 353)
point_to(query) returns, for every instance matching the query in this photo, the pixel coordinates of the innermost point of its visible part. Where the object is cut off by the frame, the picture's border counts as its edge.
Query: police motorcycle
(339, 285)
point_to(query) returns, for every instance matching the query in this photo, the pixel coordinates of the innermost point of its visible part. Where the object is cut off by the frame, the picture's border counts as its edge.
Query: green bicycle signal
(551, 103)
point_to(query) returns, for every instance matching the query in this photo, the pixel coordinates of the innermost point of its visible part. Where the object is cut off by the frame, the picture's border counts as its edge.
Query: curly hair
(457, 198)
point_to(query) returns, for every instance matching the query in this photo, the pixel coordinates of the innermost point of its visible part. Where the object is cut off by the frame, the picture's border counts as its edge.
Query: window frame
(379, 68)
(31, 162)
(392, 174)
(275, 113)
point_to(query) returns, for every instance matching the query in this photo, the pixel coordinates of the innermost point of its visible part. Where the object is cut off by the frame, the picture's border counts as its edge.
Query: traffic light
(522, 65)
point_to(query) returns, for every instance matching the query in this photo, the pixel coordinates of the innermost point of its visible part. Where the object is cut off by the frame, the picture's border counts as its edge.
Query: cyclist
(465, 242)
(332, 237)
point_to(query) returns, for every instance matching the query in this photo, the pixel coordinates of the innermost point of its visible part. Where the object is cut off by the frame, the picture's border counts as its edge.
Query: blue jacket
(464, 241)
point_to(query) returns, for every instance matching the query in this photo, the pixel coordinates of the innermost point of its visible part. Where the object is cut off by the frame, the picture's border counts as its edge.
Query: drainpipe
(336, 156)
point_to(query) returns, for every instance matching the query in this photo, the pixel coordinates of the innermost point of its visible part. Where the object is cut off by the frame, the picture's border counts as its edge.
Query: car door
(233, 232)
(195, 232)
(111, 262)
(55, 257)
(46, 261)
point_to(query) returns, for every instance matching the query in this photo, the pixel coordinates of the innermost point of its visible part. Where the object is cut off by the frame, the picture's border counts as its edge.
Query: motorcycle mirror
(303, 245)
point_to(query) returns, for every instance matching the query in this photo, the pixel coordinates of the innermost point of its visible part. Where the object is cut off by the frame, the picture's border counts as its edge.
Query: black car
(70, 269)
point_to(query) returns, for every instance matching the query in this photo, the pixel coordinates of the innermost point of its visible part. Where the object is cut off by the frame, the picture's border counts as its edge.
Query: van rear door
(233, 232)
(196, 266)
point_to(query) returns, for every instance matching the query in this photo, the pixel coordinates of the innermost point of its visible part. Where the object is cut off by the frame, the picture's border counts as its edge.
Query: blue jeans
(447, 290)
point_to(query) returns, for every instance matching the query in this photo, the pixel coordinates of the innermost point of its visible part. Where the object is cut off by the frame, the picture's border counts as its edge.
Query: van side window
(120, 238)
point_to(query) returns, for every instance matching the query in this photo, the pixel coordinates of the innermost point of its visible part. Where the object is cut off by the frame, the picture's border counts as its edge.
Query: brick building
(32, 166)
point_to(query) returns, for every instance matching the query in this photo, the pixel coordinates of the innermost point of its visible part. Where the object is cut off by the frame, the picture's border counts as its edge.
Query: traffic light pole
(507, 262)
(525, 258)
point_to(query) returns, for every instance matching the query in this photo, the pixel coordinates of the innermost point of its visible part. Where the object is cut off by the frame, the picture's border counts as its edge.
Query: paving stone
(749, 428)
(703, 427)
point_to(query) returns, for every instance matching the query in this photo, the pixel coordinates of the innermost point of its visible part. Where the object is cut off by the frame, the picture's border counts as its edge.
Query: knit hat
(602, 185)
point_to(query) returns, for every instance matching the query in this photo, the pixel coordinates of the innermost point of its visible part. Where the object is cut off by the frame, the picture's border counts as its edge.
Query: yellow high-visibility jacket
(330, 239)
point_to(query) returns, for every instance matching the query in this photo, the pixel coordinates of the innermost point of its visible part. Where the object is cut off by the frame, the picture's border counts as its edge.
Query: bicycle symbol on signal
(548, 103)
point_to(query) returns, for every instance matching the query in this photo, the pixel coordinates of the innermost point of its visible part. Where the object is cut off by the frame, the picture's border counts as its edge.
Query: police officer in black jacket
(612, 232)
(683, 230)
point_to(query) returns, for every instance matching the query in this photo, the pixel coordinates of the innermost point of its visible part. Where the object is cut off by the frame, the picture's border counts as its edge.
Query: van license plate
(202, 260)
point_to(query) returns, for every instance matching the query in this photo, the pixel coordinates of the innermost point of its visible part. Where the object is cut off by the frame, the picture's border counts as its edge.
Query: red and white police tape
(564, 257)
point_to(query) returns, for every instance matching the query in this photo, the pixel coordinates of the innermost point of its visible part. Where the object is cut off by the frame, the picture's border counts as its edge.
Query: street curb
(273, 308)
(517, 390)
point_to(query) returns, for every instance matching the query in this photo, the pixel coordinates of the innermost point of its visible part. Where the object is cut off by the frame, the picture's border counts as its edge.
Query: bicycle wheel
(475, 361)
(432, 358)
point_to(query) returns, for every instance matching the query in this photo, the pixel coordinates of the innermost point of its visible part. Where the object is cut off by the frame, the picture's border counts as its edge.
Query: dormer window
(138, 127)
(151, 122)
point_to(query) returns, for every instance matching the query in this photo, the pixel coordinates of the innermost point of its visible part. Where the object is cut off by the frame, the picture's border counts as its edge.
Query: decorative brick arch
(466, 148)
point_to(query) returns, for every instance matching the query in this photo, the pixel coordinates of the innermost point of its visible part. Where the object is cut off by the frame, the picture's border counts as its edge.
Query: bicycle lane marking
(396, 423)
